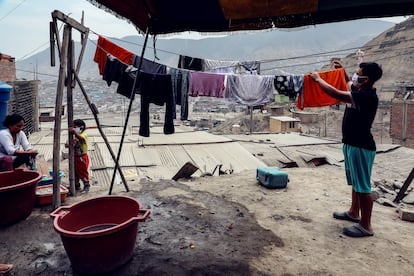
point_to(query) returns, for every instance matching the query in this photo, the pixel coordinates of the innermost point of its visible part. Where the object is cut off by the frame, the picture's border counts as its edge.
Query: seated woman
(15, 149)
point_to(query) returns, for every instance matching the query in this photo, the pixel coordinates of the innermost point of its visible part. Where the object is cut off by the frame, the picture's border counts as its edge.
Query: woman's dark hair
(372, 70)
(79, 123)
(13, 119)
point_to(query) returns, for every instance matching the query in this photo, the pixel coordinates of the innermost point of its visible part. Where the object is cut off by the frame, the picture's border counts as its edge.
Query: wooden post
(52, 32)
(132, 97)
(251, 119)
(98, 125)
(404, 187)
(69, 100)
(58, 112)
(66, 56)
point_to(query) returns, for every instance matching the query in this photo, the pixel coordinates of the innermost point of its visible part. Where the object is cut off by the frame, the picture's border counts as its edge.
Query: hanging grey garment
(250, 90)
(296, 83)
(179, 78)
(217, 66)
(249, 67)
(175, 87)
(149, 66)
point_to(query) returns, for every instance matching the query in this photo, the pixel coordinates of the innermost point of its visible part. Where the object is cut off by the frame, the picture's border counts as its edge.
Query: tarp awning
(173, 16)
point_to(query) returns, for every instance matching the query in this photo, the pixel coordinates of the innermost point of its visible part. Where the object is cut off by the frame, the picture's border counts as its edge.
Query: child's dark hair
(372, 70)
(13, 119)
(79, 123)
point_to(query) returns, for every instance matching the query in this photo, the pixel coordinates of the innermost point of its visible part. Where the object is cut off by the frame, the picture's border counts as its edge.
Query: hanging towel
(314, 96)
(206, 84)
(104, 47)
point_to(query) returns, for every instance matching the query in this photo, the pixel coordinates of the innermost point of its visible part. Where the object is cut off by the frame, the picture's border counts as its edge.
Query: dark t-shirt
(358, 119)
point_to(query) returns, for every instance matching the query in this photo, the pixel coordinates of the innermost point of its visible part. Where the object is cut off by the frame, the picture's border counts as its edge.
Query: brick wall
(7, 68)
(402, 122)
(24, 100)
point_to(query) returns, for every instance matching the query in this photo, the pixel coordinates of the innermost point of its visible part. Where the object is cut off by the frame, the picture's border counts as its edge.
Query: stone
(407, 215)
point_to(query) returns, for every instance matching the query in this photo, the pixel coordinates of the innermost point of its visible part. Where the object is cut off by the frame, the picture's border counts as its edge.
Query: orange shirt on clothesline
(106, 47)
(314, 96)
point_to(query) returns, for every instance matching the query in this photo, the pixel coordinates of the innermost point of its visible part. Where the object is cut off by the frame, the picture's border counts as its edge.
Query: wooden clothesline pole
(98, 125)
(404, 187)
(58, 109)
(66, 56)
(132, 97)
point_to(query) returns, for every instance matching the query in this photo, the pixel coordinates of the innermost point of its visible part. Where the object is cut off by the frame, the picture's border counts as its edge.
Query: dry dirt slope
(237, 227)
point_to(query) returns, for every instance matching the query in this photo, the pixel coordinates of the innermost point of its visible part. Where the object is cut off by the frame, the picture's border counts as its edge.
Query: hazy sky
(24, 24)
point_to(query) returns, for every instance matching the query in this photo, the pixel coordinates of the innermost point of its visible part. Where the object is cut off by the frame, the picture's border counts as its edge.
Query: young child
(80, 143)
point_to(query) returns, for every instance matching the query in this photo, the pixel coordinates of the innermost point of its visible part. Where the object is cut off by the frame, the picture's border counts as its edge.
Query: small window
(291, 124)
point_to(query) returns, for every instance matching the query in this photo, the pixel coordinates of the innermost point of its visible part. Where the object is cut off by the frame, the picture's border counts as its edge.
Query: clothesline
(264, 60)
(162, 84)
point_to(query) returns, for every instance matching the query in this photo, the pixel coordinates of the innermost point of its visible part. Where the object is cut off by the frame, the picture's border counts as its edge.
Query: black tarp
(173, 16)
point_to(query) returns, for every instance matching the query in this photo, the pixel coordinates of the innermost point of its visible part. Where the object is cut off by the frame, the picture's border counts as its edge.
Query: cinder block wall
(24, 100)
(402, 122)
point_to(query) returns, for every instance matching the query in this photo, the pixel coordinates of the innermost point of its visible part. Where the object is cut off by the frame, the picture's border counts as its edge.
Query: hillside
(393, 50)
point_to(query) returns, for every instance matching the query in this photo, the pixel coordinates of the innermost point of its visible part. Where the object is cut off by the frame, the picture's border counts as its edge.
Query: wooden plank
(70, 21)
(186, 171)
(41, 165)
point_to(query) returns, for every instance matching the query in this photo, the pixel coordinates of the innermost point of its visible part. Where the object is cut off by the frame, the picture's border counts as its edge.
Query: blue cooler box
(272, 177)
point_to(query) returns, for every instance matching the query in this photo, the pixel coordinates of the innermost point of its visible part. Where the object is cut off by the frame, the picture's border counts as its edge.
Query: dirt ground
(230, 225)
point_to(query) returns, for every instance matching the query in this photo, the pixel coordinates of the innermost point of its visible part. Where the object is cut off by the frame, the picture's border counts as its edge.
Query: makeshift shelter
(162, 17)
(158, 17)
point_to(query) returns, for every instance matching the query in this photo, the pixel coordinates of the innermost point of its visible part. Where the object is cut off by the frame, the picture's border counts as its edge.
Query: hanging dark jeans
(156, 89)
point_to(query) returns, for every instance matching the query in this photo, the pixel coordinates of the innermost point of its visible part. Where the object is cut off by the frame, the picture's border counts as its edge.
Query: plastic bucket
(99, 234)
(17, 195)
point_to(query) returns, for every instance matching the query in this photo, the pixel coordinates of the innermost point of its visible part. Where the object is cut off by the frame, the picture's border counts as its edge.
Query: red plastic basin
(99, 234)
(17, 195)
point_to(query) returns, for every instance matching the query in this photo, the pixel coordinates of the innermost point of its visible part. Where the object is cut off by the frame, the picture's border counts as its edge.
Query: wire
(313, 55)
(12, 10)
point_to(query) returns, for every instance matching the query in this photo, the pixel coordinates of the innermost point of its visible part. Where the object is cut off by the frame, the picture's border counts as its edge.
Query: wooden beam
(98, 125)
(58, 115)
(69, 100)
(404, 187)
(70, 21)
(52, 32)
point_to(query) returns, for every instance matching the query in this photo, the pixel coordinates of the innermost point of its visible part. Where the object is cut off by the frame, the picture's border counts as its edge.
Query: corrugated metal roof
(161, 156)
(156, 157)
